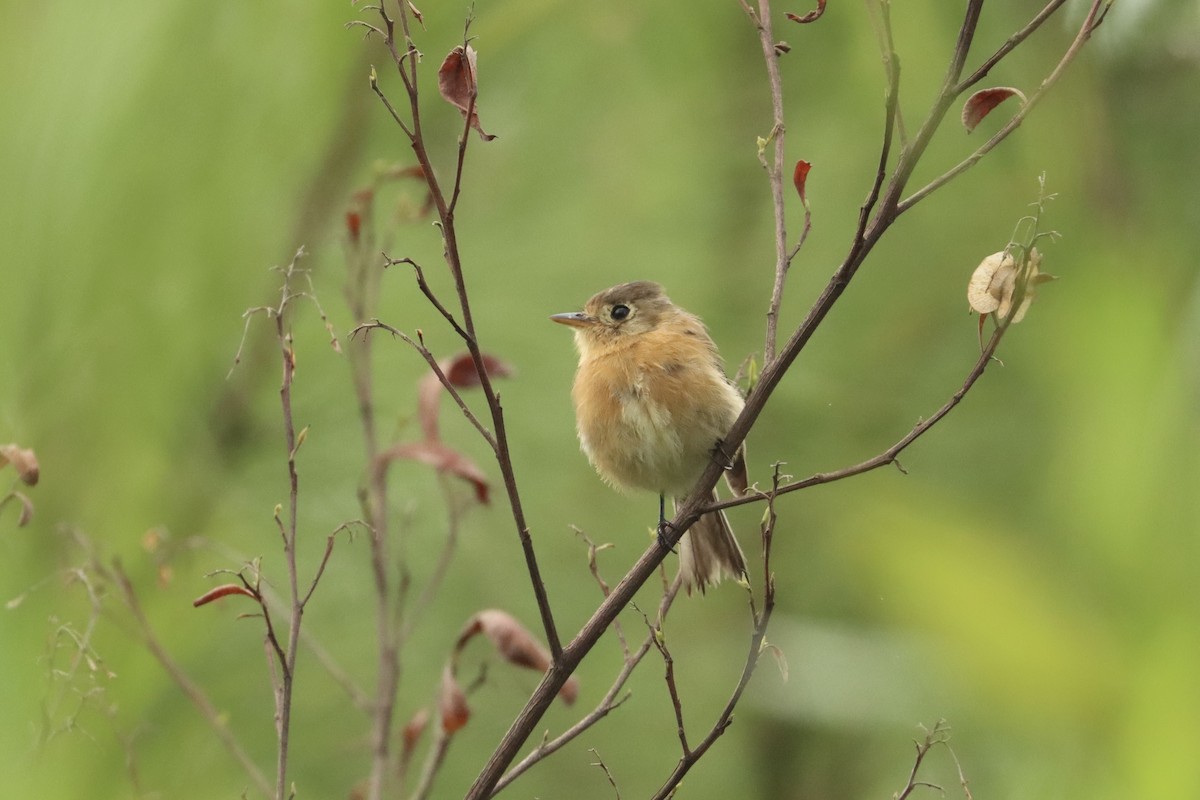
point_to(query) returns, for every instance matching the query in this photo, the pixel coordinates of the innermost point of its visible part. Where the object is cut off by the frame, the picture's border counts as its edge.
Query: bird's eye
(620, 312)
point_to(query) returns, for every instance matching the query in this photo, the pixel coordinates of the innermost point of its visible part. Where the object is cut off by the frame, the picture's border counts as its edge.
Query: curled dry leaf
(514, 643)
(222, 591)
(452, 703)
(994, 285)
(23, 460)
(980, 104)
(443, 458)
(811, 16)
(458, 86)
(26, 509)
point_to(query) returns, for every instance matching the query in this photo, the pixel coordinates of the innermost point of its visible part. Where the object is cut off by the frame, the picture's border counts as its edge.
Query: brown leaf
(460, 373)
(223, 590)
(515, 644)
(413, 730)
(452, 703)
(799, 177)
(23, 460)
(458, 86)
(443, 458)
(416, 12)
(980, 104)
(811, 16)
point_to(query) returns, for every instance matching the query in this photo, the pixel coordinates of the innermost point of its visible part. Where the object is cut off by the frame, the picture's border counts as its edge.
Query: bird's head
(625, 310)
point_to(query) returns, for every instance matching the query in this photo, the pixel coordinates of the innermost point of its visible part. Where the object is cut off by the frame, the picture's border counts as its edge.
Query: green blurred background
(1032, 579)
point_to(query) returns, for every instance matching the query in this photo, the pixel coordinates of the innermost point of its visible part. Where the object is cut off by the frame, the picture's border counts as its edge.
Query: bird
(652, 406)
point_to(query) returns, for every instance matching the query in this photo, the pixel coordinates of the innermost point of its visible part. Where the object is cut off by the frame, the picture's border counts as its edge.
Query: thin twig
(609, 702)
(432, 361)
(892, 454)
(191, 690)
(758, 638)
(766, 40)
(660, 644)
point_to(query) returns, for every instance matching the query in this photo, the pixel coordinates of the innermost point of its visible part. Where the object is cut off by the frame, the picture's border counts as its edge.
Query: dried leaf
(799, 177)
(26, 509)
(416, 12)
(223, 590)
(811, 16)
(515, 644)
(985, 288)
(414, 728)
(458, 86)
(23, 460)
(512, 641)
(994, 284)
(980, 104)
(460, 373)
(443, 458)
(452, 703)
(780, 659)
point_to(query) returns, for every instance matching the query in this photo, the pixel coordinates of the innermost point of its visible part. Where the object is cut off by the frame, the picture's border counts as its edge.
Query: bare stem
(215, 719)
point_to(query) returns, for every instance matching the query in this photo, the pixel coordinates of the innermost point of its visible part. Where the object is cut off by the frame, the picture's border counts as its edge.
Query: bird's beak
(576, 319)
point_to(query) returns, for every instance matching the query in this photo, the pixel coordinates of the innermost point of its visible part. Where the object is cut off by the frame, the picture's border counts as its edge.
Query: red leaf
(982, 102)
(811, 16)
(799, 177)
(443, 458)
(353, 224)
(222, 591)
(452, 703)
(458, 87)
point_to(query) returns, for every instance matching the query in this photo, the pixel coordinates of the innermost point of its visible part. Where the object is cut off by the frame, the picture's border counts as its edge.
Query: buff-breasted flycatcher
(652, 404)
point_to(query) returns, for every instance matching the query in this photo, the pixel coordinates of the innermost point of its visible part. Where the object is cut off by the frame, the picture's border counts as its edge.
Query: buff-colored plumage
(652, 403)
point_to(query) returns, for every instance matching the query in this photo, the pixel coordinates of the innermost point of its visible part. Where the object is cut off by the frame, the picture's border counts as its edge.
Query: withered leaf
(811, 16)
(458, 85)
(980, 104)
(514, 643)
(443, 458)
(452, 703)
(223, 590)
(23, 460)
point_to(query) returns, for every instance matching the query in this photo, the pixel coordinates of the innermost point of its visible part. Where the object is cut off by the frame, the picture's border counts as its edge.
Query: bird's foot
(664, 527)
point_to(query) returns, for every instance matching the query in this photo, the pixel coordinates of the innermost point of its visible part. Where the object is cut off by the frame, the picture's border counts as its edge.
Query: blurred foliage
(1032, 579)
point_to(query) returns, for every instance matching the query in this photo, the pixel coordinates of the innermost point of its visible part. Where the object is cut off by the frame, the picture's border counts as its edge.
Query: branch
(687, 512)
(892, 454)
(407, 68)
(766, 40)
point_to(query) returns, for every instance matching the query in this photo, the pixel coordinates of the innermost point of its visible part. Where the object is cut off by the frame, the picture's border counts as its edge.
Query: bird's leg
(722, 456)
(663, 525)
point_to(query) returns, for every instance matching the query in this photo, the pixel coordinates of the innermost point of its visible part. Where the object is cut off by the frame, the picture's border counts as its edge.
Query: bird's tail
(709, 552)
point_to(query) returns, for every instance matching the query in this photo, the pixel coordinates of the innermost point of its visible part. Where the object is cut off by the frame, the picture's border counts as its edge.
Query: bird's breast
(650, 422)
